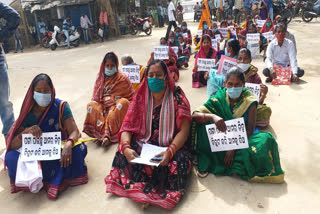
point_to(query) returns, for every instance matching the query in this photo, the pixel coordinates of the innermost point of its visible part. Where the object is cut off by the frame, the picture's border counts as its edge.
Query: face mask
(155, 84)
(243, 67)
(184, 28)
(163, 45)
(180, 34)
(171, 40)
(229, 21)
(215, 30)
(42, 100)
(205, 27)
(268, 24)
(132, 63)
(226, 53)
(111, 72)
(181, 43)
(280, 37)
(234, 93)
(256, 20)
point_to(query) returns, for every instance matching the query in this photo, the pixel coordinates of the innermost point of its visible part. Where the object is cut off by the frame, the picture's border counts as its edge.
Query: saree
(258, 163)
(161, 186)
(205, 14)
(198, 79)
(55, 178)
(110, 102)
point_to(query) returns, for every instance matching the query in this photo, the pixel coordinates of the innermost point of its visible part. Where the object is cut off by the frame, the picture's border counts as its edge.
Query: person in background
(41, 27)
(205, 15)
(17, 38)
(281, 51)
(270, 5)
(160, 15)
(264, 9)
(67, 24)
(248, 6)
(85, 22)
(196, 9)
(238, 5)
(12, 19)
(212, 8)
(172, 17)
(104, 24)
(268, 26)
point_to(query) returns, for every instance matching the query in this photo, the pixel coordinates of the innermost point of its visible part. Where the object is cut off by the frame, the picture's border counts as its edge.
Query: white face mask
(42, 100)
(243, 67)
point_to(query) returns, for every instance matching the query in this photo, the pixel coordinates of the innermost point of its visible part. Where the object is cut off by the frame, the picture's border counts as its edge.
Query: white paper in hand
(149, 151)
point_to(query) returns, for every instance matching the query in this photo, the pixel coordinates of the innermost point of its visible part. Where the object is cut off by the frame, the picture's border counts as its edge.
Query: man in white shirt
(172, 17)
(282, 52)
(85, 22)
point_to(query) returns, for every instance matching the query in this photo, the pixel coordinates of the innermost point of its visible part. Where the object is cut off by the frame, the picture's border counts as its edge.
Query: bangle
(124, 145)
(72, 140)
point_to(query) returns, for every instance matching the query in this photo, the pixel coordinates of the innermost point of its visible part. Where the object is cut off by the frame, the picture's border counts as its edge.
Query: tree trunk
(113, 21)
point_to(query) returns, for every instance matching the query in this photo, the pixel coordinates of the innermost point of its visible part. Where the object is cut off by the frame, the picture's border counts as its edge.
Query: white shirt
(284, 56)
(84, 21)
(170, 12)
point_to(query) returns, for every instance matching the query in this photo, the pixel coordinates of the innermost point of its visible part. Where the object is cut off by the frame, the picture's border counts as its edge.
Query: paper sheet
(149, 151)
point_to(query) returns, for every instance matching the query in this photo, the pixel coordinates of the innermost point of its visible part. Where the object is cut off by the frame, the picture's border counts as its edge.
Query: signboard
(161, 52)
(225, 64)
(234, 138)
(47, 147)
(133, 72)
(254, 88)
(205, 64)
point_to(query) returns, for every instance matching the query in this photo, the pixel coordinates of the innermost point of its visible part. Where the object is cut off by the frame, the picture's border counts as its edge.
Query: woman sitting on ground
(42, 112)
(185, 30)
(263, 43)
(260, 162)
(267, 27)
(111, 98)
(159, 115)
(183, 53)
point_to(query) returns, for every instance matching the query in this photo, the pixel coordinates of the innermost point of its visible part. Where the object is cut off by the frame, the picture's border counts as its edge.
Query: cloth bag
(100, 32)
(29, 174)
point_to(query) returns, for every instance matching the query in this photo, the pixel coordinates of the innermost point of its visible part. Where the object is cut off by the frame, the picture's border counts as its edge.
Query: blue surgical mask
(156, 85)
(42, 100)
(229, 21)
(234, 93)
(215, 30)
(111, 72)
(180, 34)
(268, 24)
(205, 27)
(171, 40)
(184, 28)
(163, 45)
(132, 63)
(226, 53)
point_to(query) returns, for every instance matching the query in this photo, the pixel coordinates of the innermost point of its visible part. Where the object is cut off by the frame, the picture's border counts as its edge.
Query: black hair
(39, 78)
(234, 45)
(254, 26)
(279, 26)
(283, 20)
(211, 49)
(111, 56)
(235, 71)
(246, 51)
(177, 28)
(204, 22)
(163, 38)
(162, 64)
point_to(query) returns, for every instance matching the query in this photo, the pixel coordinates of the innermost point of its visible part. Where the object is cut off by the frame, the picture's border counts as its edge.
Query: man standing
(196, 9)
(172, 17)
(104, 23)
(41, 27)
(67, 28)
(248, 6)
(17, 37)
(160, 15)
(6, 111)
(85, 22)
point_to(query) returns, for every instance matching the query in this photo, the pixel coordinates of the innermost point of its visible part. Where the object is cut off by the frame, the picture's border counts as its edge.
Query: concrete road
(294, 123)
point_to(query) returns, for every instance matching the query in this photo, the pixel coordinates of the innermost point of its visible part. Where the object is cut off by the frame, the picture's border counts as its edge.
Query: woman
(111, 98)
(244, 31)
(263, 43)
(267, 27)
(264, 9)
(42, 112)
(205, 14)
(216, 32)
(207, 52)
(185, 30)
(172, 39)
(183, 53)
(159, 115)
(260, 162)
(251, 76)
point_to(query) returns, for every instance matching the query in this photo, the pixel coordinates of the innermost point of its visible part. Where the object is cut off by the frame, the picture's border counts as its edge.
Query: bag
(283, 75)
(29, 174)
(100, 32)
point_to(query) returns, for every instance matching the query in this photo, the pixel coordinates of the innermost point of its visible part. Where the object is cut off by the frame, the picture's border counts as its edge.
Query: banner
(47, 147)
(254, 88)
(133, 72)
(205, 64)
(161, 52)
(253, 38)
(234, 138)
(283, 75)
(225, 64)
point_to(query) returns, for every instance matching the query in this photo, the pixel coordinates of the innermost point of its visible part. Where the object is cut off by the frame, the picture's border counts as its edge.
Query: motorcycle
(47, 36)
(139, 24)
(310, 11)
(60, 40)
(280, 8)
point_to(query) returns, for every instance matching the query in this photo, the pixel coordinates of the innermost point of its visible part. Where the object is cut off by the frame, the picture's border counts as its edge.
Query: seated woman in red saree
(207, 52)
(159, 115)
(111, 98)
(42, 112)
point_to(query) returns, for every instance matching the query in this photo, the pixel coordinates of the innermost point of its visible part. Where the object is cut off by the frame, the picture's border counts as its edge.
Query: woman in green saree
(260, 162)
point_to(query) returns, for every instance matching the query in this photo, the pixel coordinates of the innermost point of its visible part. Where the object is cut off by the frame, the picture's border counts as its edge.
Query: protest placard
(255, 50)
(215, 44)
(224, 32)
(260, 23)
(225, 64)
(133, 72)
(234, 138)
(268, 35)
(185, 35)
(254, 88)
(47, 147)
(283, 75)
(253, 38)
(175, 49)
(147, 153)
(218, 37)
(233, 31)
(199, 33)
(161, 52)
(205, 64)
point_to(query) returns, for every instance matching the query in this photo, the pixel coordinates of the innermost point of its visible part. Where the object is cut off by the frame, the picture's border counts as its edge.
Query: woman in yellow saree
(205, 14)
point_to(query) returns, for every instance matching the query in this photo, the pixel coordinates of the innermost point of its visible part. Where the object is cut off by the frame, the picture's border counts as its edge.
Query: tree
(112, 17)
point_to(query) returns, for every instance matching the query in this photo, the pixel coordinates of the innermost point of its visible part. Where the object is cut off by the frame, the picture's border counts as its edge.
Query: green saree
(259, 163)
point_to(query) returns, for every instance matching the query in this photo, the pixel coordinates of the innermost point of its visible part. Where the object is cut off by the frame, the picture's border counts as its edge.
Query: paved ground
(294, 123)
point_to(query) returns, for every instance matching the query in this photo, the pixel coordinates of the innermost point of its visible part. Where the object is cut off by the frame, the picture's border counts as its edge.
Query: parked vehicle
(139, 24)
(47, 36)
(280, 8)
(60, 40)
(310, 10)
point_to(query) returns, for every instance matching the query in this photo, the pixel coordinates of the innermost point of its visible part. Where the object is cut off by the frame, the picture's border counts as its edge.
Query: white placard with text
(161, 52)
(133, 72)
(205, 64)
(254, 88)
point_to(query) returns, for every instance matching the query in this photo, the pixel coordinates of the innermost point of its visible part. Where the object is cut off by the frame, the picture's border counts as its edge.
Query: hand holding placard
(254, 88)
(133, 72)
